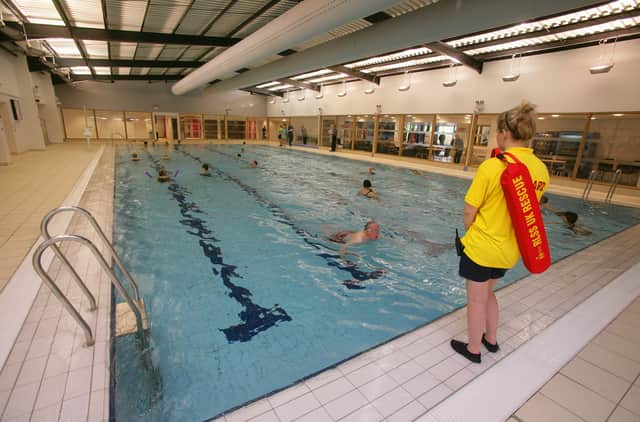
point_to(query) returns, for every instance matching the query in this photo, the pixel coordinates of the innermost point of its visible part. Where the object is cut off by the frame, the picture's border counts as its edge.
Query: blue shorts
(474, 272)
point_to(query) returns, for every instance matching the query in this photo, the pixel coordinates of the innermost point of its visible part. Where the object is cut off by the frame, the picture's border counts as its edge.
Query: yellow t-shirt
(491, 240)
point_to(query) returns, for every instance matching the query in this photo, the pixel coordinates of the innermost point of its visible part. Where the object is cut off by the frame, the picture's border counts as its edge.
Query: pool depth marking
(254, 317)
(332, 260)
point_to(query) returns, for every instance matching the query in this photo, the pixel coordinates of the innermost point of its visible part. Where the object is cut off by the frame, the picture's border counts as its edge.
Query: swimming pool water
(243, 294)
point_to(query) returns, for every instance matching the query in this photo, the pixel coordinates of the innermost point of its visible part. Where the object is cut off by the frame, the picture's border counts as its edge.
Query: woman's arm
(469, 215)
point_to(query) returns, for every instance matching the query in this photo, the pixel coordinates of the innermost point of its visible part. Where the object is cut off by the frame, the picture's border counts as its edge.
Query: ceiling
(164, 40)
(151, 39)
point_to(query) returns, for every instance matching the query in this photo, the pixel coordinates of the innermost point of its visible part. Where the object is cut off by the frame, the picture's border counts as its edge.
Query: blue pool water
(243, 294)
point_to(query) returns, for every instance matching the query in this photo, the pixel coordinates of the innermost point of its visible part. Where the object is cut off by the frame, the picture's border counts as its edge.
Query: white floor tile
(408, 413)
(75, 409)
(318, 415)
(365, 414)
(51, 391)
(621, 414)
(631, 400)
(578, 399)
(96, 406)
(48, 414)
(392, 401)
(445, 369)
(365, 374)
(333, 390)
(346, 404)
(8, 376)
(21, 400)
(602, 382)
(287, 395)
(405, 372)
(419, 385)
(541, 408)
(434, 396)
(614, 363)
(378, 387)
(78, 383)
(248, 412)
(323, 378)
(297, 407)
(459, 379)
(32, 371)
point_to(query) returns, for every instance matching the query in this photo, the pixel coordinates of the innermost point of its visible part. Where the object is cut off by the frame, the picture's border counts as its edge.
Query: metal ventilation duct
(304, 21)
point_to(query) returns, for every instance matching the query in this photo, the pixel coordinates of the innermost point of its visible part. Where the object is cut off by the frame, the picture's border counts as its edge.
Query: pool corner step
(126, 319)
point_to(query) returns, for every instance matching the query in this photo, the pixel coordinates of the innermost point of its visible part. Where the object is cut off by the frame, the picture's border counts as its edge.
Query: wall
(556, 82)
(16, 83)
(47, 106)
(142, 96)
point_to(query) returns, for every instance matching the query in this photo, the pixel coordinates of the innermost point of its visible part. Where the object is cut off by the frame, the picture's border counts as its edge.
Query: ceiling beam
(67, 22)
(355, 73)
(446, 50)
(265, 92)
(126, 77)
(300, 84)
(62, 62)
(37, 31)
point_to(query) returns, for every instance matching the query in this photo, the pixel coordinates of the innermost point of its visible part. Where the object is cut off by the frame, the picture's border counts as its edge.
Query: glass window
(364, 133)
(212, 125)
(326, 124)
(275, 129)
(138, 125)
(250, 129)
(613, 143)
(388, 135)
(345, 132)
(191, 126)
(76, 120)
(235, 127)
(305, 130)
(450, 137)
(557, 141)
(484, 138)
(417, 135)
(110, 124)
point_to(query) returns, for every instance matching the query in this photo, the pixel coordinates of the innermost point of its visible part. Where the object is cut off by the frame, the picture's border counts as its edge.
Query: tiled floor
(50, 374)
(398, 381)
(602, 383)
(34, 183)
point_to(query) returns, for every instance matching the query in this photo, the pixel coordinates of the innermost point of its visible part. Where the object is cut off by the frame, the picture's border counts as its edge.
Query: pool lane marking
(333, 260)
(255, 318)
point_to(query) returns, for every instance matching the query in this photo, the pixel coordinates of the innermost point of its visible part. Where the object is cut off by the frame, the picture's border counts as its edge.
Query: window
(557, 142)
(364, 133)
(75, 122)
(417, 135)
(388, 135)
(212, 126)
(191, 126)
(110, 124)
(138, 125)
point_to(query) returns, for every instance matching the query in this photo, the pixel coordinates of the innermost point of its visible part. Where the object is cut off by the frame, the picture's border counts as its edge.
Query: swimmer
(347, 238)
(134, 157)
(166, 143)
(371, 170)
(145, 143)
(253, 164)
(416, 172)
(238, 155)
(367, 190)
(205, 170)
(165, 156)
(163, 176)
(569, 218)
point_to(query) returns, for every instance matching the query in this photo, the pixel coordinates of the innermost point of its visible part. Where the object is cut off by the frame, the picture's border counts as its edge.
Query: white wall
(47, 107)
(142, 96)
(15, 82)
(556, 82)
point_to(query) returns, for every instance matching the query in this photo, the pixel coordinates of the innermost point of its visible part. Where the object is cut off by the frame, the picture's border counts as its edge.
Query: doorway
(166, 127)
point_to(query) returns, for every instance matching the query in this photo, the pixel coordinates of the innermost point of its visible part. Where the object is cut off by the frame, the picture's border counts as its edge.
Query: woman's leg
(492, 314)
(477, 298)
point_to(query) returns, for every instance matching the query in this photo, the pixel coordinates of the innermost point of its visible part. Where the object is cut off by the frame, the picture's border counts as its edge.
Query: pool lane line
(255, 318)
(332, 260)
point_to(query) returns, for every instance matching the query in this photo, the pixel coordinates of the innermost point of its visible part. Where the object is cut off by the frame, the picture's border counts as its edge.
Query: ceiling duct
(301, 23)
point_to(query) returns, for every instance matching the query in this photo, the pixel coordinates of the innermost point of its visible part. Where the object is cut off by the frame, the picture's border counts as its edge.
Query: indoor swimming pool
(245, 296)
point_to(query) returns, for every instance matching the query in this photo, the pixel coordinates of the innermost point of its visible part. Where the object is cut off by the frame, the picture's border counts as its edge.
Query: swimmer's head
(238, 155)
(372, 170)
(366, 183)
(134, 155)
(254, 163)
(372, 229)
(205, 166)
(162, 172)
(544, 199)
(570, 217)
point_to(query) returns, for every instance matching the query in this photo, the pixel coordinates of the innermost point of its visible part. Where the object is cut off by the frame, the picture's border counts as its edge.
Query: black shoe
(461, 348)
(493, 348)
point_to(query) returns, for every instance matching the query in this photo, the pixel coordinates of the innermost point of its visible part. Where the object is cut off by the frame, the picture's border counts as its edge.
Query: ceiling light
(453, 78)
(370, 90)
(618, 114)
(555, 115)
(593, 118)
(285, 98)
(406, 85)
(605, 60)
(601, 68)
(540, 118)
(449, 84)
(302, 97)
(344, 89)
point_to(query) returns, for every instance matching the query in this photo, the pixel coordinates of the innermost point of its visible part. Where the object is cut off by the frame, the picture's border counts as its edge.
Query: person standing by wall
(334, 137)
(290, 134)
(489, 248)
(458, 144)
(305, 136)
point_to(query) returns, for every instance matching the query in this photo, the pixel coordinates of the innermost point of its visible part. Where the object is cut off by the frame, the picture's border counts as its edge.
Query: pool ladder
(135, 304)
(612, 187)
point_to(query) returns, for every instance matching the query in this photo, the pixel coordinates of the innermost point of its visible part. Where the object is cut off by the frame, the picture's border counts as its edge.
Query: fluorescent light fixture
(555, 115)
(449, 84)
(344, 89)
(540, 118)
(453, 78)
(510, 77)
(371, 89)
(406, 85)
(618, 114)
(302, 96)
(319, 95)
(268, 84)
(601, 68)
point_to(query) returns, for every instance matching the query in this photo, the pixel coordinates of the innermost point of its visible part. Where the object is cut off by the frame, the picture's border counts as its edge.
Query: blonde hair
(520, 121)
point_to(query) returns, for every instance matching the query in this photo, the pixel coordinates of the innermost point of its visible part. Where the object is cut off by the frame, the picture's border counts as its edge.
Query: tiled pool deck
(49, 375)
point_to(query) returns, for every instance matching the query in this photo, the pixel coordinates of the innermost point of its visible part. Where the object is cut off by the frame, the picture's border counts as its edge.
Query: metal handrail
(37, 265)
(589, 185)
(613, 186)
(44, 228)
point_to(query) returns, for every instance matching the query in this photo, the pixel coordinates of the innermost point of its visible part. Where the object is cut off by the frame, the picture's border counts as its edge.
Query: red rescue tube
(525, 213)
